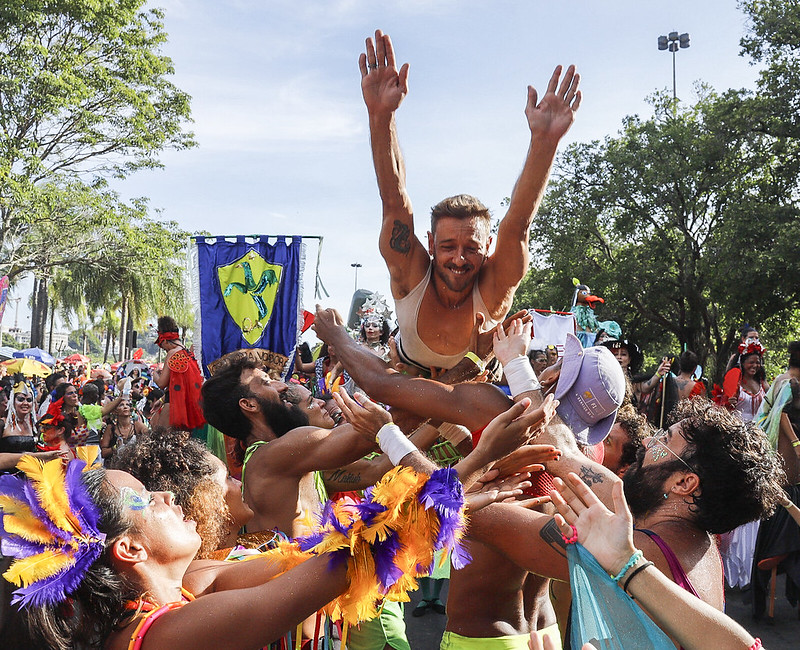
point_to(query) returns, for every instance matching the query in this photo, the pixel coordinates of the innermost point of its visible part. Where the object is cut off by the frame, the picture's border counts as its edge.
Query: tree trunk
(108, 342)
(123, 321)
(129, 336)
(34, 304)
(50, 338)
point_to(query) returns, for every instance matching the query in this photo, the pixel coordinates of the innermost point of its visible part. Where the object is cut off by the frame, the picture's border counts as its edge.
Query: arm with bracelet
(608, 536)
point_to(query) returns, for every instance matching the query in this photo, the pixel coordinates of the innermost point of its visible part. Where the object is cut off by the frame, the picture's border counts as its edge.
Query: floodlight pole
(356, 266)
(672, 42)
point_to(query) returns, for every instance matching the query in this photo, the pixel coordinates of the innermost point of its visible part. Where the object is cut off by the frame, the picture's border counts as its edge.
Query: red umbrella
(76, 358)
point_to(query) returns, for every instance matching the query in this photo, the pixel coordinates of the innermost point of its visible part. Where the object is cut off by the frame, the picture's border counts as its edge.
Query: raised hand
(383, 86)
(515, 427)
(513, 343)
(552, 117)
(362, 413)
(326, 322)
(605, 534)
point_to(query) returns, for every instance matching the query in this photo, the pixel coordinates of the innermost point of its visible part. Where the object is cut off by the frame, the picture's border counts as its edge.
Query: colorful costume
(185, 381)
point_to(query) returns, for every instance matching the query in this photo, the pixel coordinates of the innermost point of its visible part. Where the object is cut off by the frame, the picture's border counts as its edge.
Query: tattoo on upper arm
(400, 235)
(341, 476)
(552, 535)
(590, 476)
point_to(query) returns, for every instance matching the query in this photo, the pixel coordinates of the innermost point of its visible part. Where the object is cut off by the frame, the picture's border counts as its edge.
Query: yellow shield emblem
(249, 286)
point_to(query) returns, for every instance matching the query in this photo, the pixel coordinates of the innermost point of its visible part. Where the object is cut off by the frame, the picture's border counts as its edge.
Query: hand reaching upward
(383, 86)
(552, 117)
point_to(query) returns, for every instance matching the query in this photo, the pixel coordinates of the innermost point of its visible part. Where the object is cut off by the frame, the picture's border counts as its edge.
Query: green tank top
(319, 483)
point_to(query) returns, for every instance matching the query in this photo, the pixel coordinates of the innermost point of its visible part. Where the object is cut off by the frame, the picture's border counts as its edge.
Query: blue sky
(282, 129)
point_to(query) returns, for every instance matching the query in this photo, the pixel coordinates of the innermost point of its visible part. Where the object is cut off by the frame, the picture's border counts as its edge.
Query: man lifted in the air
(439, 291)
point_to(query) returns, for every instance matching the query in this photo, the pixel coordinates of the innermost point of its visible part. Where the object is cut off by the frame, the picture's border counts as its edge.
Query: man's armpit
(552, 536)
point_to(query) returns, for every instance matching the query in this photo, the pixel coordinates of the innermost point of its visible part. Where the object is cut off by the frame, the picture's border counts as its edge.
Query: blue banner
(248, 292)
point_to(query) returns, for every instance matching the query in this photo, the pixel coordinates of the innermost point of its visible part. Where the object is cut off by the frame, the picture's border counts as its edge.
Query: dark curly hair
(220, 398)
(167, 460)
(167, 324)
(636, 428)
(98, 605)
(740, 475)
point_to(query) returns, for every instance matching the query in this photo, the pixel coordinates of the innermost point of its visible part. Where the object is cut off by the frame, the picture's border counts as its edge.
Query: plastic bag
(602, 613)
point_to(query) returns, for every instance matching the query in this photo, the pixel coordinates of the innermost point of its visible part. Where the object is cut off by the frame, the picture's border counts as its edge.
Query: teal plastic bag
(602, 613)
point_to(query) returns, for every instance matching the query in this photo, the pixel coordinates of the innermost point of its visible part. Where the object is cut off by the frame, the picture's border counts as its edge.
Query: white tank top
(410, 346)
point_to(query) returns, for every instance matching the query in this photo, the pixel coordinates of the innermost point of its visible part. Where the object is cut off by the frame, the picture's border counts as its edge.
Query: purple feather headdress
(49, 523)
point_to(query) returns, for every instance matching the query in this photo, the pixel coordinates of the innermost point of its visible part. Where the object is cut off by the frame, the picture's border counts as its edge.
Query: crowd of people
(539, 482)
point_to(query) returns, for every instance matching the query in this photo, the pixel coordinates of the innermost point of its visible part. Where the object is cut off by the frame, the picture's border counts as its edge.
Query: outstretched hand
(605, 534)
(481, 342)
(514, 343)
(552, 117)
(383, 87)
(493, 488)
(528, 458)
(362, 413)
(326, 322)
(515, 427)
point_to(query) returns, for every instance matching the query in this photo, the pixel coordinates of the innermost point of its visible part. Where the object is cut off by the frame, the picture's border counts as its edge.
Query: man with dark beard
(707, 474)
(280, 476)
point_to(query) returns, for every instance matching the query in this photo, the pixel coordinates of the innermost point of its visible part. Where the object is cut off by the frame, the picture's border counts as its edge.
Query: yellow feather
(88, 454)
(37, 567)
(48, 480)
(19, 520)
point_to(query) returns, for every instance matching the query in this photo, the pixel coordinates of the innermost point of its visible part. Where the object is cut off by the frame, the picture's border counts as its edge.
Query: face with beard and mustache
(281, 416)
(271, 396)
(644, 483)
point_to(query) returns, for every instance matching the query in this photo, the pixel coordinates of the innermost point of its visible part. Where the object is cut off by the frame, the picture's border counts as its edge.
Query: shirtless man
(439, 291)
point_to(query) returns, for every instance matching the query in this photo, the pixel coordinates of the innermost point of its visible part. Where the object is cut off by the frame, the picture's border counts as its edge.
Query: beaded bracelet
(633, 560)
(633, 574)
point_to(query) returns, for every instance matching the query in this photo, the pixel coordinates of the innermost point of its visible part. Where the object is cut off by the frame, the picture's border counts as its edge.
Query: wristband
(788, 507)
(637, 555)
(454, 433)
(638, 569)
(476, 360)
(795, 443)
(520, 376)
(393, 443)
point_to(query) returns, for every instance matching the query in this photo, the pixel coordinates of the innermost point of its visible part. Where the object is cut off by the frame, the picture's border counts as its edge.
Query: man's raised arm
(384, 88)
(548, 120)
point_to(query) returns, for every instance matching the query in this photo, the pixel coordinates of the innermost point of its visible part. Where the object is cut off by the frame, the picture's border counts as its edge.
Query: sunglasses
(657, 445)
(22, 398)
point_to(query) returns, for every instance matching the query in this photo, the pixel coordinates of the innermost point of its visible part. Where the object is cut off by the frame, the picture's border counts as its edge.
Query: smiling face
(315, 409)
(23, 404)
(459, 248)
(159, 524)
(751, 365)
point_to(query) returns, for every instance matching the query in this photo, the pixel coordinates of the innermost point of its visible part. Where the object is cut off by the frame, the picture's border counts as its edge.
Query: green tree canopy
(678, 222)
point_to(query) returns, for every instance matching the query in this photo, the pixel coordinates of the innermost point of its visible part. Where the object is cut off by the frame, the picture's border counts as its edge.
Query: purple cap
(590, 388)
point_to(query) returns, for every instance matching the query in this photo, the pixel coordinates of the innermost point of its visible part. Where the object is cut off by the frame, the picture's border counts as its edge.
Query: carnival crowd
(569, 499)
